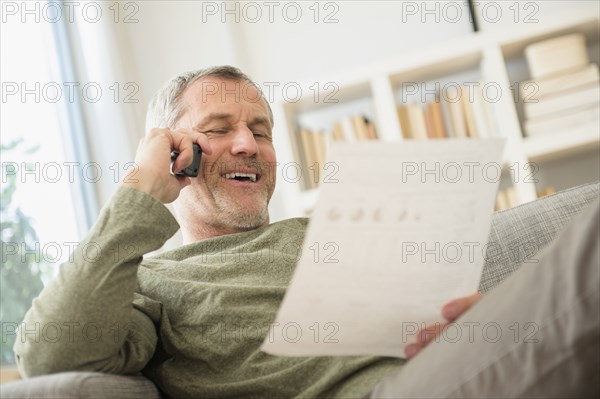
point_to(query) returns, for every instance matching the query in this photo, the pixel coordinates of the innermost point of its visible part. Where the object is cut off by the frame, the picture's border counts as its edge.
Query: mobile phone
(192, 170)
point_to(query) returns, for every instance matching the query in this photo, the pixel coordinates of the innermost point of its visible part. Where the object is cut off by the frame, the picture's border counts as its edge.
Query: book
(511, 197)
(506, 199)
(435, 109)
(371, 130)
(429, 122)
(360, 127)
(448, 126)
(309, 158)
(533, 90)
(319, 144)
(412, 121)
(546, 191)
(404, 122)
(467, 107)
(564, 121)
(455, 110)
(568, 99)
(337, 133)
(416, 118)
(501, 201)
(348, 128)
(555, 55)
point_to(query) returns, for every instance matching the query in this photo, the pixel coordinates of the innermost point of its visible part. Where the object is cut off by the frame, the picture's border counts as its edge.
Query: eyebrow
(259, 120)
(211, 117)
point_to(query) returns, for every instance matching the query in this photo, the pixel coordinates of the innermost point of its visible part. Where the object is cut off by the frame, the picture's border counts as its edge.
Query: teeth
(252, 176)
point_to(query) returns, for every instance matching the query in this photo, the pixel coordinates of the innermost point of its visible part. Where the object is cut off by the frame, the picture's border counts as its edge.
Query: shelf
(494, 57)
(553, 146)
(436, 65)
(513, 44)
(328, 93)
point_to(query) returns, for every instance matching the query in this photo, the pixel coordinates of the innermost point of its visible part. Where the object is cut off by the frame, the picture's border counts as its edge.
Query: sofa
(517, 236)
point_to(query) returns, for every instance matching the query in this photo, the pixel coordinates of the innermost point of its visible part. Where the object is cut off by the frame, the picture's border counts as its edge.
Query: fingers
(411, 350)
(181, 140)
(184, 181)
(430, 333)
(198, 138)
(452, 310)
(202, 140)
(424, 337)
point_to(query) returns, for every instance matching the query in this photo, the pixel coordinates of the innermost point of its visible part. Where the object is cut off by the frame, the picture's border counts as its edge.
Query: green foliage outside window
(21, 273)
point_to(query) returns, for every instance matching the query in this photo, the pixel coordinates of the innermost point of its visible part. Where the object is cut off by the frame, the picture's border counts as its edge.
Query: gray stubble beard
(230, 214)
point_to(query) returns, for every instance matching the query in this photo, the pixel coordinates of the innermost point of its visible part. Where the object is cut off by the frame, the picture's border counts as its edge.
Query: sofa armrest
(81, 385)
(519, 234)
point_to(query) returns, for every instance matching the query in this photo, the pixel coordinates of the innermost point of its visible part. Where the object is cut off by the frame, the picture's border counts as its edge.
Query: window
(46, 205)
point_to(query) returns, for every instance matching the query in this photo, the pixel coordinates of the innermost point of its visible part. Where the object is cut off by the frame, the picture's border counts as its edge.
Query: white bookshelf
(494, 56)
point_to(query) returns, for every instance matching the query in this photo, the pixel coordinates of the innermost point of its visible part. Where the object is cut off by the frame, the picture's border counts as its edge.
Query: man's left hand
(451, 311)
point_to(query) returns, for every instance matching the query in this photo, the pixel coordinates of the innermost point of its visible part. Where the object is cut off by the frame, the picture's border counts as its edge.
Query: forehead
(209, 94)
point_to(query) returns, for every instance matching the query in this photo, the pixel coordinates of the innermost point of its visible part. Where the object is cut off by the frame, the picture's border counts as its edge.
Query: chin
(242, 213)
(246, 220)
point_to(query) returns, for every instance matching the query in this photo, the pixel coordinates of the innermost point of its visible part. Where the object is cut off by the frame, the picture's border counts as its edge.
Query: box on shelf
(534, 90)
(565, 92)
(584, 118)
(556, 55)
(572, 99)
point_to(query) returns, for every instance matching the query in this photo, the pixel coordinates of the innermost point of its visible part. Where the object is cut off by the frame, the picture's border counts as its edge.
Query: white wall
(174, 36)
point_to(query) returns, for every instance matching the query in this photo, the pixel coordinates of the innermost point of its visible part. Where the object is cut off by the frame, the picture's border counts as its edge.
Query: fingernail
(411, 350)
(449, 311)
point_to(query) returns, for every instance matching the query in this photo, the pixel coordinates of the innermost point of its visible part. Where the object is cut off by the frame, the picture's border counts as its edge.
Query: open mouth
(243, 177)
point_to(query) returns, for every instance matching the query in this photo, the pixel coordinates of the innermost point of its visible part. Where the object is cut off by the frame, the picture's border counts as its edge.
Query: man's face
(237, 180)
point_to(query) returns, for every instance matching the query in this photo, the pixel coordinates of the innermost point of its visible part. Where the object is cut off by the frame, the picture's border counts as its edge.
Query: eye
(261, 134)
(216, 131)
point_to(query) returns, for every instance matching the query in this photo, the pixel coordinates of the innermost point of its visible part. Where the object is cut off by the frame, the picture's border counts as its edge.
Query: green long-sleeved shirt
(191, 319)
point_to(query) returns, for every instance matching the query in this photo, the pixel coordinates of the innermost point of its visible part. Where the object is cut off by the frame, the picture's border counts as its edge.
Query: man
(193, 318)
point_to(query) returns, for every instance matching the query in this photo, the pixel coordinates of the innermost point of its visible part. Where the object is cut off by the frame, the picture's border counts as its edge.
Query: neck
(193, 232)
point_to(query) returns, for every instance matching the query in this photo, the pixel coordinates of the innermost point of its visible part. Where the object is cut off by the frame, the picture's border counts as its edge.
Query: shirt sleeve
(84, 319)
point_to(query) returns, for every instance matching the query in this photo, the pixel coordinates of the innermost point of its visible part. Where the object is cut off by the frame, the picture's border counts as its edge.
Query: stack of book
(461, 112)
(546, 191)
(506, 199)
(564, 93)
(313, 144)
(354, 128)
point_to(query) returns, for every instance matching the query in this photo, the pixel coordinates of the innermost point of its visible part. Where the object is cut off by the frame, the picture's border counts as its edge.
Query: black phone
(192, 170)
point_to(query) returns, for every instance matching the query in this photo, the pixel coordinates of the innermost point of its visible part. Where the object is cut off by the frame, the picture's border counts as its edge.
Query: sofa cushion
(81, 385)
(518, 235)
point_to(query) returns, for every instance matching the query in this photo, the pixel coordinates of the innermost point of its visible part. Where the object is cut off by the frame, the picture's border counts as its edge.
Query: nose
(243, 142)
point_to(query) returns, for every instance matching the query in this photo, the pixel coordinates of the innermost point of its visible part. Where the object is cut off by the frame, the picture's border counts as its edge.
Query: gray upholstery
(81, 385)
(517, 235)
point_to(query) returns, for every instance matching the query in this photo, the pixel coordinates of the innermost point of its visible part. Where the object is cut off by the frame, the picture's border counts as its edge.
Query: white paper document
(399, 230)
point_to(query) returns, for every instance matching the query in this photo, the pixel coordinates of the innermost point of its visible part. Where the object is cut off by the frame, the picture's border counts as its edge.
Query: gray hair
(166, 106)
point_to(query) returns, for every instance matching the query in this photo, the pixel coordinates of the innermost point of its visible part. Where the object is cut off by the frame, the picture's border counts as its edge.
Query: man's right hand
(153, 159)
